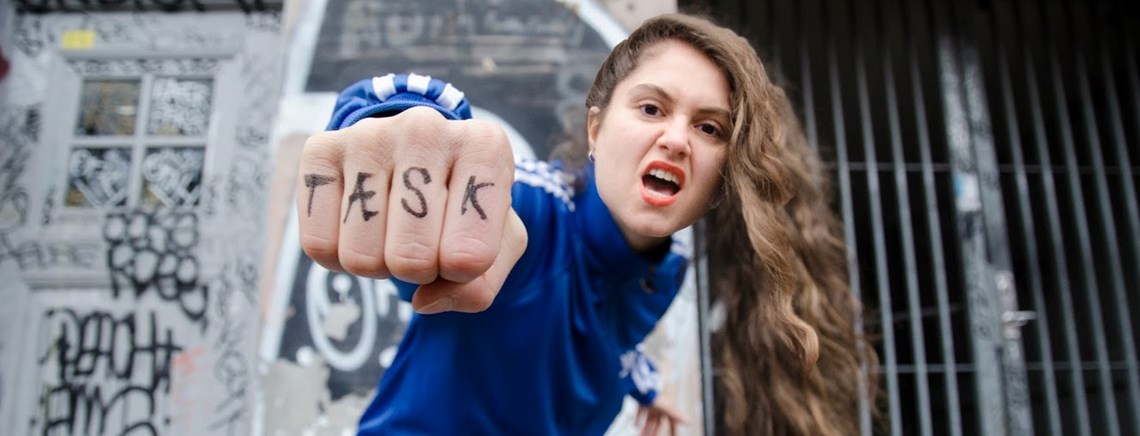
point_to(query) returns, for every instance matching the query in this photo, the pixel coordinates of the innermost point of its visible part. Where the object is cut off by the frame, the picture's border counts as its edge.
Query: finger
(651, 424)
(642, 410)
(367, 173)
(673, 427)
(418, 196)
(479, 196)
(476, 295)
(672, 413)
(319, 187)
(678, 417)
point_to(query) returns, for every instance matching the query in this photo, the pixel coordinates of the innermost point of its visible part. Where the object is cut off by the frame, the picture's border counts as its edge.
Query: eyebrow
(722, 114)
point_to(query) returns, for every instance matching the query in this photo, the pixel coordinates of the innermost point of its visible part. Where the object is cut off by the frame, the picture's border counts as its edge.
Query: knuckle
(520, 239)
(321, 250)
(322, 153)
(370, 137)
(479, 300)
(362, 264)
(516, 232)
(323, 145)
(368, 126)
(482, 134)
(421, 114)
(412, 261)
(420, 134)
(467, 257)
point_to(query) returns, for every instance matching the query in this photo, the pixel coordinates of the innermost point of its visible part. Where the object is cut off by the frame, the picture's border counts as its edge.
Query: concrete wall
(132, 320)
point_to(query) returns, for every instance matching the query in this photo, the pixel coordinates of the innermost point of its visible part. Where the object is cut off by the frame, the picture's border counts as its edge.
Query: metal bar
(1104, 205)
(849, 221)
(981, 296)
(1121, 149)
(813, 137)
(1052, 408)
(1059, 258)
(932, 221)
(810, 126)
(913, 304)
(773, 41)
(708, 405)
(1001, 293)
(1133, 78)
(1084, 245)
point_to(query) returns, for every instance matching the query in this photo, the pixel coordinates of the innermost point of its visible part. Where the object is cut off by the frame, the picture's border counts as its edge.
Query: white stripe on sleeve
(384, 86)
(418, 84)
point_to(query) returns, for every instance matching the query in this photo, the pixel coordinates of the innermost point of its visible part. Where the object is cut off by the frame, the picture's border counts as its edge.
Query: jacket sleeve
(639, 376)
(391, 94)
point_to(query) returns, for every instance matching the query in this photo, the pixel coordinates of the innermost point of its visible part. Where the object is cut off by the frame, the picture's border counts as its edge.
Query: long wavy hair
(789, 360)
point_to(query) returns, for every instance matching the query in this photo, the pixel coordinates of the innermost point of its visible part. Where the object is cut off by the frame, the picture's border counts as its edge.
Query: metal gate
(985, 159)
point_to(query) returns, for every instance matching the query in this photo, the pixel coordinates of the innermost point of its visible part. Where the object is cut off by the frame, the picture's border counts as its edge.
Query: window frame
(145, 67)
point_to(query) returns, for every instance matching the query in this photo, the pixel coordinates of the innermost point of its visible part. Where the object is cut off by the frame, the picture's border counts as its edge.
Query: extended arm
(406, 186)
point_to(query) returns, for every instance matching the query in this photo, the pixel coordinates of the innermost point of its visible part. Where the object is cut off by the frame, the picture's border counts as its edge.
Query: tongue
(659, 186)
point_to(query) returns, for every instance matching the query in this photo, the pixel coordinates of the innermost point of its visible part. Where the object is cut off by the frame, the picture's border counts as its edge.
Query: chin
(655, 229)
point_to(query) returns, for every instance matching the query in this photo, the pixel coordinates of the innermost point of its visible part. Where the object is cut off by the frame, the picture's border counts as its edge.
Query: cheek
(713, 168)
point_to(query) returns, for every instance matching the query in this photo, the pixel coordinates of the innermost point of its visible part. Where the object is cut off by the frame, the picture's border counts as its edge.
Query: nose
(675, 138)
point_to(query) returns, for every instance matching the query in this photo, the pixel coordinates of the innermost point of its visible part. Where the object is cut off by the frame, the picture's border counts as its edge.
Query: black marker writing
(469, 197)
(360, 194)
(312, 181)
(419, 194)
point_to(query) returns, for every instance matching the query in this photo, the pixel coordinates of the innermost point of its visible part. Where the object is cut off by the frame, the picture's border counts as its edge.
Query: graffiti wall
(133, 166)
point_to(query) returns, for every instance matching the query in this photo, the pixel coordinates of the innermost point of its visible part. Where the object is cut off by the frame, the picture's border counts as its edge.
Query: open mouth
(661, 182)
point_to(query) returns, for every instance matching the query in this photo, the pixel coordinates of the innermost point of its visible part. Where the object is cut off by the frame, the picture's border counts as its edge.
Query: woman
(533, 286)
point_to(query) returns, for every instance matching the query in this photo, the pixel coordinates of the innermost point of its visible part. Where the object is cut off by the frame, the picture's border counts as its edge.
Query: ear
(593, 123)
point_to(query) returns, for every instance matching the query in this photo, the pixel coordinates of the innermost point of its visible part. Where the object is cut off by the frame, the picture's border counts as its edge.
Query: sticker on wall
(78, 39)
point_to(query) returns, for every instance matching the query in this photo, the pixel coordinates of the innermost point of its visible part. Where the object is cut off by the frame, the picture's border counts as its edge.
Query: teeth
(664, 175)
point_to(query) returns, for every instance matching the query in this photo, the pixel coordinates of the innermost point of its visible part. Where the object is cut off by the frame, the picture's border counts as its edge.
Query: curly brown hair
(789, 360)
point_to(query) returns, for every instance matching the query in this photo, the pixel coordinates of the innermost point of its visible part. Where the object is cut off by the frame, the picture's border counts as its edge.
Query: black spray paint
(108, 370)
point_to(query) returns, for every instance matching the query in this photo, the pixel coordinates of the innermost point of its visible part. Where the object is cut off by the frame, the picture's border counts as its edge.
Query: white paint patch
(967, 193)
(340, 317)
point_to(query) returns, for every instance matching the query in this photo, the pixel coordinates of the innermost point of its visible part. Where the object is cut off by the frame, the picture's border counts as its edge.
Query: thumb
(476, 295)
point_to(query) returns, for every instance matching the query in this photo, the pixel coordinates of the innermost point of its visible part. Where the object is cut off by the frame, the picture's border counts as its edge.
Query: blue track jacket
(555, 353)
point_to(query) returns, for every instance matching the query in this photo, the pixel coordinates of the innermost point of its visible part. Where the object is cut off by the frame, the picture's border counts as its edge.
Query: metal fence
(985, 159)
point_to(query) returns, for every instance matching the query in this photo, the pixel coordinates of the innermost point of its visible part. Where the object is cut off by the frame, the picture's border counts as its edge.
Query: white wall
(132, 319)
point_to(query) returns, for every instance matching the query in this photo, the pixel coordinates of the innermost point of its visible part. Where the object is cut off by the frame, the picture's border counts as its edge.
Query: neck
(642, 244)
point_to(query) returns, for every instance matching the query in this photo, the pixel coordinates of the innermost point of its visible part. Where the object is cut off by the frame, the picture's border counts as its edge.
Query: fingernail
(444, 304)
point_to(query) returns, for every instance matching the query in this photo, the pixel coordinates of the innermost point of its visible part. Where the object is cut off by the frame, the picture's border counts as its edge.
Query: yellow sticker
(79, 39)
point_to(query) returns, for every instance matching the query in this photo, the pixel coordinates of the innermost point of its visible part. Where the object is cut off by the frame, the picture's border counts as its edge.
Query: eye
(650, 109)
(709, 129)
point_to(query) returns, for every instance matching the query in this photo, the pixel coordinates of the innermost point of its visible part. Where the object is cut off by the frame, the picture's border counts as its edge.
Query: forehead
(680, 70)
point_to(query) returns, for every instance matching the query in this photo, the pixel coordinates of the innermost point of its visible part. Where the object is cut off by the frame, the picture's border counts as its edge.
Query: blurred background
(983, 156)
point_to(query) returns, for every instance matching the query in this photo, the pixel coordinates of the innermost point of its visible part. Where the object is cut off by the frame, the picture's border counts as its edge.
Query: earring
(719, 199)
(590, 156)
(716, 203)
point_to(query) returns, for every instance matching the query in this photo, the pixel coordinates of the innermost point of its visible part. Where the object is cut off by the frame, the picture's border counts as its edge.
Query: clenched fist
(416, 197)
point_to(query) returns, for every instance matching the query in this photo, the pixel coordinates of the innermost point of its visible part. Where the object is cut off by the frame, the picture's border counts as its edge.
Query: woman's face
(660, 144)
